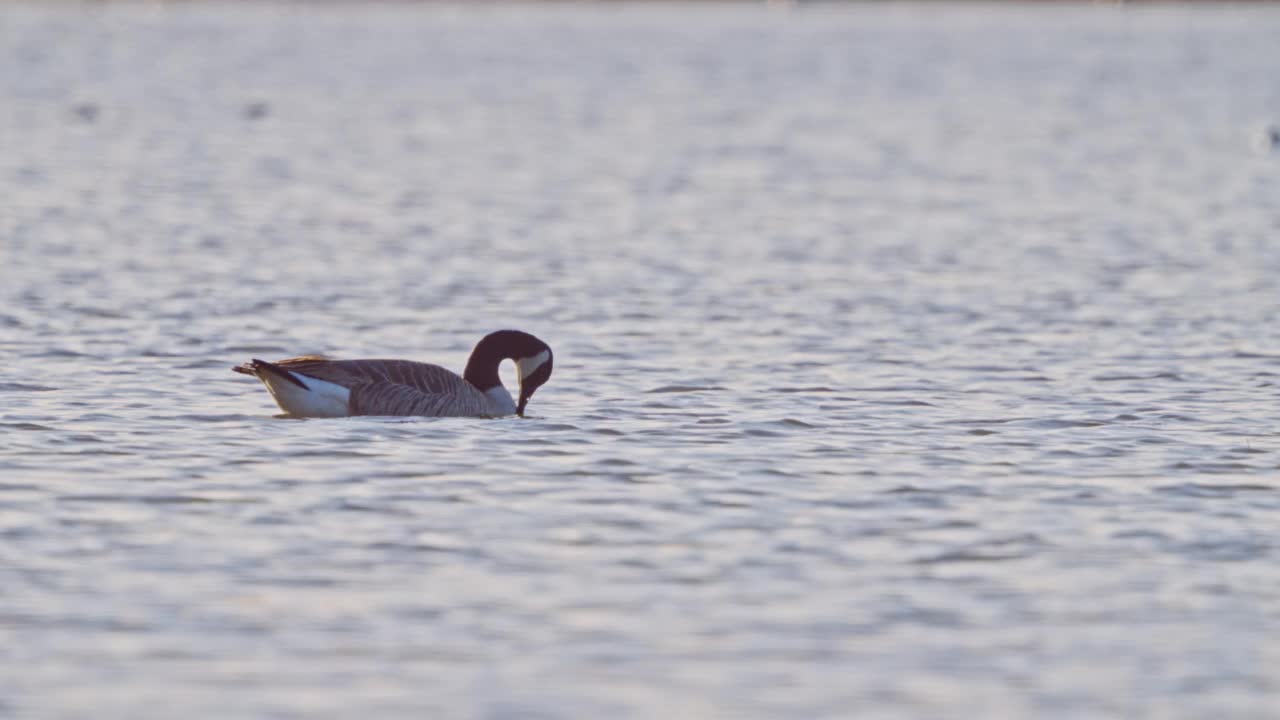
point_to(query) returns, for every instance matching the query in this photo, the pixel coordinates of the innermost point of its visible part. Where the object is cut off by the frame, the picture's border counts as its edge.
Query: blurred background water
(911, 361)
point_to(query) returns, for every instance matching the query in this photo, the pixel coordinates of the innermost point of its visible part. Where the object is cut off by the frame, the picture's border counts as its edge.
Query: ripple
(971, 556)
(1214, 468)
(1017, 547)
(920, 388)
(357, 507)
(1227, 550)
(1117, 377)
(962, 490)
(1254, 355)
(259, 349)
(24, 426)
(332, 453)
(683, 389)
(901, 403)
(100, 313)
(153, 499)
(24, 387)
(446, 547)
(1065, 423)
(207, 364)
(203, 418)
(1213, 490)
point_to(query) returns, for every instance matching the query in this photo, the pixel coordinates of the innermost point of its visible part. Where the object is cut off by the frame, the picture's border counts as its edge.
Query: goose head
(532, 357)
(533, 372)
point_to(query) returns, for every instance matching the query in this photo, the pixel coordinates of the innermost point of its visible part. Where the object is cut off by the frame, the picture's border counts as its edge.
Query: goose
(317, 387)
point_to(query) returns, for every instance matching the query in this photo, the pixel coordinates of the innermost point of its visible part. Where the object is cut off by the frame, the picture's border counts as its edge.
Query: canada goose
(318, 387)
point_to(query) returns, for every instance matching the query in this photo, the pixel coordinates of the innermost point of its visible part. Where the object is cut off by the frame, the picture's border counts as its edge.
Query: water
(908, 359)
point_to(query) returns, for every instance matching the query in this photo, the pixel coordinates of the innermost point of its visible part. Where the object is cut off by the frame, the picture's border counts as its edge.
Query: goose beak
(533, 372)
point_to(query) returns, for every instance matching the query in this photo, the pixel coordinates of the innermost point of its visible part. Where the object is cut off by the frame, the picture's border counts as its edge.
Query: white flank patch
(500, 401)
(527, 366)
(322, 400)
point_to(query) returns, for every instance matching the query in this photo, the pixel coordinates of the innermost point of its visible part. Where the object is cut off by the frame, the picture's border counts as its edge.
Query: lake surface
(911, 361)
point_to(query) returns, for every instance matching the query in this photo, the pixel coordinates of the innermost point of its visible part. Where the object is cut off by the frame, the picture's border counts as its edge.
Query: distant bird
(86, 111)
(256, 110)
(318, 387)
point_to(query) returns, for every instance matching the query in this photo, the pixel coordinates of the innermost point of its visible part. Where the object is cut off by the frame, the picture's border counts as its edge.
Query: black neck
(482, 367)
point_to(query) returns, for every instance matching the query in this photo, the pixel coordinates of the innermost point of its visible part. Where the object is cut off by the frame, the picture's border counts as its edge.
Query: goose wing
(395, 387)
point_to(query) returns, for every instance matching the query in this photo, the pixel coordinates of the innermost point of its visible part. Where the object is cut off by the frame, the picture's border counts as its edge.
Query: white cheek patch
(528, 366)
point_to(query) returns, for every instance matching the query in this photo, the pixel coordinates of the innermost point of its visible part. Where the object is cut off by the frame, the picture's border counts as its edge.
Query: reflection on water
(907, 359)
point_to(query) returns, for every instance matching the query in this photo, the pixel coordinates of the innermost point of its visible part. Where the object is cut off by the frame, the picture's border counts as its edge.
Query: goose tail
(258, 367)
